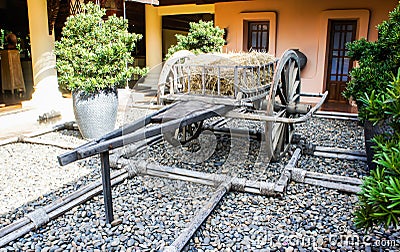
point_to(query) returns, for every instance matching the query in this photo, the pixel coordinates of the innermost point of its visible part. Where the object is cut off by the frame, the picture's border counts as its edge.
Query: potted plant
(93, 60)
(379, 199)
(378, 62)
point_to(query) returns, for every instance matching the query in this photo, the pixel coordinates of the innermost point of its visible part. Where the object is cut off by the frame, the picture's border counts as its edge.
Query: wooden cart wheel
(285, 92)
(168, 74)
(185, 134)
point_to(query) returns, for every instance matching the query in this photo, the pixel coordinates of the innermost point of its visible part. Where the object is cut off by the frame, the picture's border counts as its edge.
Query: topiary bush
(203, 37)
(95, 54)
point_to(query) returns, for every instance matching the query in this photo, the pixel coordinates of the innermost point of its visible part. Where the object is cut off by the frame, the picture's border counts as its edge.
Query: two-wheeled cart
(263, 92)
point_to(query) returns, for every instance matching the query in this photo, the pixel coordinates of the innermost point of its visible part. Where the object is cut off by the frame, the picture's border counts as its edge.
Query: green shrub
(377, 60)
(375, 85)
(379, 199)
(384, 105)
(93, 53)
(203, 37)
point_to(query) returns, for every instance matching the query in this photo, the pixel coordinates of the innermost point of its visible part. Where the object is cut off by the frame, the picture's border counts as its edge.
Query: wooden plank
(145, 106)
(335, 178)
(340, 150)
(184, 172)
(339, 156)
(239, 132)
(203, 98)
(180, 177)
(47, 130)
(283, 179)
(336, 117)
(23, 226)
(293, 160)
(44, 142)
(138, 124)
(9, 141)
(211, 179)
(181, 110)
(72, 156)
(200, 217)
(260, 117)
(145, 133)
(338, 114)
(333, 185)
(106, 181)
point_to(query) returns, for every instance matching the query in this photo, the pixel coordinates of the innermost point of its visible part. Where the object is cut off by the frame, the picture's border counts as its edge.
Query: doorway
(340, 32)
(14, 19)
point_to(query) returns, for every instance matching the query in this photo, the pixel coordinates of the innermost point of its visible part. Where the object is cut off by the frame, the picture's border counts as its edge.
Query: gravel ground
(151, 212)
(306, 218)
(65, 137)
(33, 169)
(30, 171)
(333, 133)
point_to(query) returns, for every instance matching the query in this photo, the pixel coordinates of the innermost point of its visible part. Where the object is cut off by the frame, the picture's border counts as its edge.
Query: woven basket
(95, 114)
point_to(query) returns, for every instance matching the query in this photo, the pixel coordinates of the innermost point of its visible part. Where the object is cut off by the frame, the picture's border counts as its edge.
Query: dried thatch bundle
(246, 70)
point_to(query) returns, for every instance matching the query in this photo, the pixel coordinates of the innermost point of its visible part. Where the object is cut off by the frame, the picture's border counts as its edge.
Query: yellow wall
(302, 25)
(43, 59)
(154, 37)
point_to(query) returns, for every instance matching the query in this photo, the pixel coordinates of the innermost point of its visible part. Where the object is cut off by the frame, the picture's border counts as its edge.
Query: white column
(153, 36)
(46, 94)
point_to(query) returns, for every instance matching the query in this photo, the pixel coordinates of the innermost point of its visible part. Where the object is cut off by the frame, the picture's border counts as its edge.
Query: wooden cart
(275, 101)
(268, 92)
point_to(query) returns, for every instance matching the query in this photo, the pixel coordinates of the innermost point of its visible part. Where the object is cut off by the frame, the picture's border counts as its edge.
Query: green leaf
(203, 37)
(93, 53)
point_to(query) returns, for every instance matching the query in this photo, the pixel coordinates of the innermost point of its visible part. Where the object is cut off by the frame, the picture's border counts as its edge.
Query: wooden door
(339, 65)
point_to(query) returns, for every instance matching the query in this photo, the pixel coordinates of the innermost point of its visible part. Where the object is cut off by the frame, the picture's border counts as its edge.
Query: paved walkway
(18, 120)
(23, 120)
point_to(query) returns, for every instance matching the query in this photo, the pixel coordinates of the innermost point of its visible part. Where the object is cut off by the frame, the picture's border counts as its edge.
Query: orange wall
(303, 25)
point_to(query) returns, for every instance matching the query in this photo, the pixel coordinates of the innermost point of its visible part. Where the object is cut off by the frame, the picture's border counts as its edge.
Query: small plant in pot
(93, 60)
(378, 62)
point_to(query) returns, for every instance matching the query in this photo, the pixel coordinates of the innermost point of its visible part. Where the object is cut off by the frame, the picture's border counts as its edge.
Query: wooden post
(105, 176)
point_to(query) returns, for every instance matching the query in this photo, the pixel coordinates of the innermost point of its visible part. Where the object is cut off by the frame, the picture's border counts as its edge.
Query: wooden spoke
(285, 91)
(278, 133)
(295, 91)
(185, 134)
(292, 76)
(169, 76)
(295, 98)
(282, 96)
